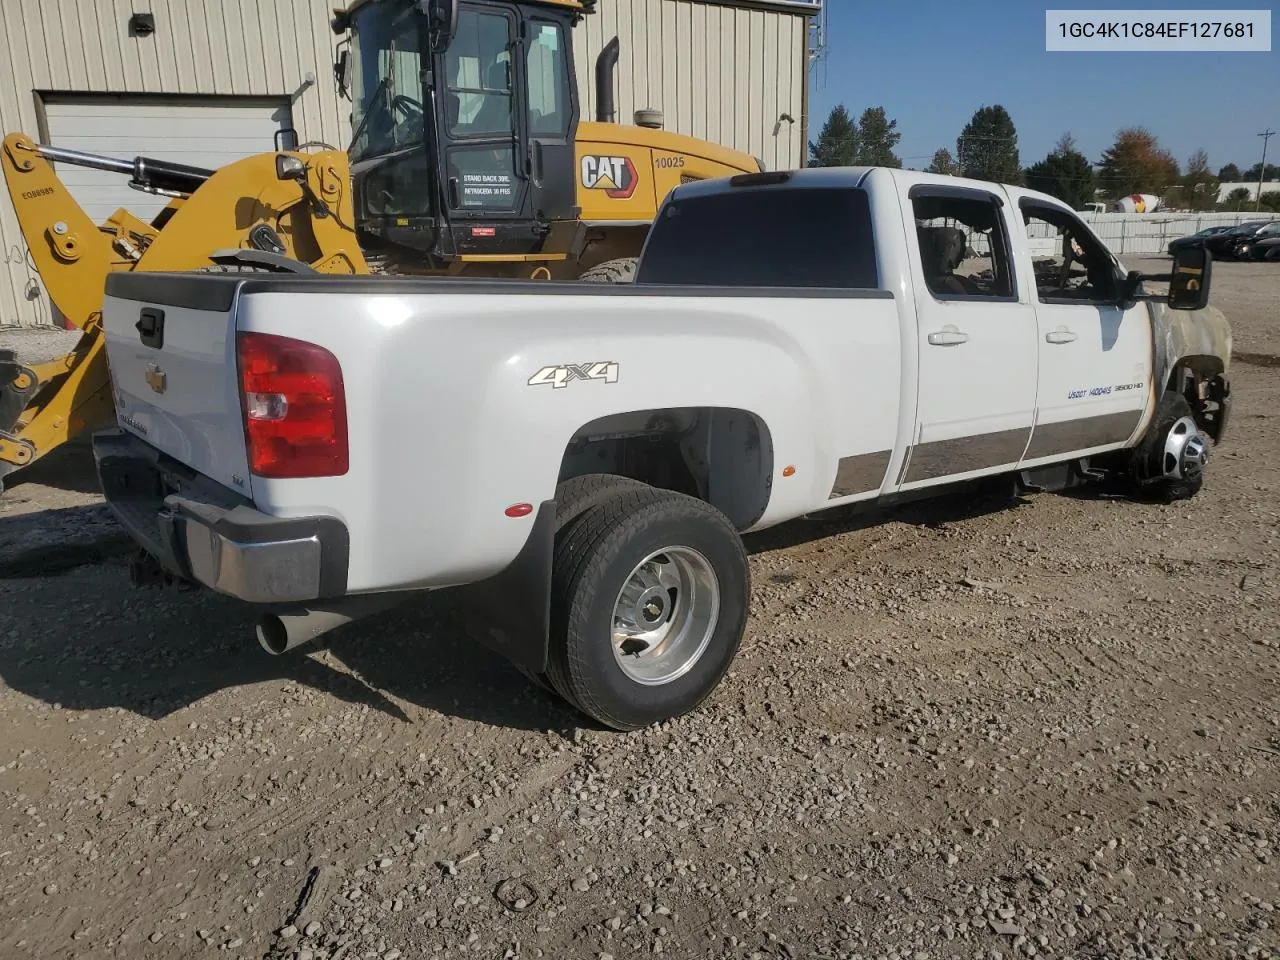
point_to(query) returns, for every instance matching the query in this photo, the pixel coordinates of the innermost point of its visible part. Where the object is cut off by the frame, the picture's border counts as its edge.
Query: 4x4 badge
(564, 374)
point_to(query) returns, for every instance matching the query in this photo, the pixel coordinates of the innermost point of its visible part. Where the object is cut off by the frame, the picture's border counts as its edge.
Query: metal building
(205, 83)
(731, 71)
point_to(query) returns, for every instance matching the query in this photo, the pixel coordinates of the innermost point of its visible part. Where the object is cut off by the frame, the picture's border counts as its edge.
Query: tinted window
(767, 237)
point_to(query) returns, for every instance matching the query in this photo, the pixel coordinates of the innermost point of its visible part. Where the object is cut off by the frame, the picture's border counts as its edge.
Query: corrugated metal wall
(724, 74)
(210, 47)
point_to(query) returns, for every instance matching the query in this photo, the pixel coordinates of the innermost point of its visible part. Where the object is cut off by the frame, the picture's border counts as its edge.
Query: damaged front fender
(1192, 356)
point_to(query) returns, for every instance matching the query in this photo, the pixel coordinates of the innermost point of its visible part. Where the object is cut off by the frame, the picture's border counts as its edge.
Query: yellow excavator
(468, 157)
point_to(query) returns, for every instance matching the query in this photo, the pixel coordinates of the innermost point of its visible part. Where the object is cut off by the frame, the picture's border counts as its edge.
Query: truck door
(1094, 355)
(977, 341)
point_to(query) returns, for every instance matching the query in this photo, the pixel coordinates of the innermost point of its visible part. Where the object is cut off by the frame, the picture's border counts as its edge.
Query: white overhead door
(198, 134)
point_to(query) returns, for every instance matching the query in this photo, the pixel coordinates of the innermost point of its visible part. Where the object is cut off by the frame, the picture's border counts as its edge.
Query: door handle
(1061, 335)
(948, 336)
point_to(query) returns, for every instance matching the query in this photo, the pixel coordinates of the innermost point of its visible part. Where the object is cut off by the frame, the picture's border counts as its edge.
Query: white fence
(1137, 233)
(1125, 233)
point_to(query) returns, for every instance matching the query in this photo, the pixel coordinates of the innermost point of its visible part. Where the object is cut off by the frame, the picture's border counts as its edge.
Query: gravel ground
(971, 729)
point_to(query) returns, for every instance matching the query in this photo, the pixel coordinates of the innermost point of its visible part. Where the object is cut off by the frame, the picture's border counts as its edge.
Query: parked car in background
(1267, 248)
(1196, 238)
(1228, 244)
(1246, 247)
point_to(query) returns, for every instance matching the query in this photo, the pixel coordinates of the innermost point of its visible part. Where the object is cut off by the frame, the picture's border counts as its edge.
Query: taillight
(294, 405)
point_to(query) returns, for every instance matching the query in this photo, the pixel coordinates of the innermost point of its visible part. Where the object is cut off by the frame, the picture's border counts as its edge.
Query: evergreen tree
(1065, 173)
(987, 148)
(943, 162)
(877, 136)
(837, 144)
(1230, 173)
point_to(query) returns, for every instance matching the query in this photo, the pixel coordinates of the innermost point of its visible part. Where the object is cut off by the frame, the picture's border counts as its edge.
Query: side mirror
(1189, 284)
(342, 74)
(442, 22)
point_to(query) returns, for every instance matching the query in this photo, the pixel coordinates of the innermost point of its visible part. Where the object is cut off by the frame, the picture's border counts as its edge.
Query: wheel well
(721, 455)
(1194, 367)
(1201, 379)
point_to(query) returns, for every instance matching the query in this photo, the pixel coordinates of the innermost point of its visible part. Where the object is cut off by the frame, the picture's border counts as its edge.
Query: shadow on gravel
(69, 467)
(49, 542)
(983, 498)
(87, 640)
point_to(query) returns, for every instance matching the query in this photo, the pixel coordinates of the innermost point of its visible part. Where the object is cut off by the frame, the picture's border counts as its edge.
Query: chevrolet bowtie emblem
(155, 378)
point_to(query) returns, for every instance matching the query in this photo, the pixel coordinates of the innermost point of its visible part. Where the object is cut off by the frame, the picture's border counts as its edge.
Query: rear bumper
(200, 532)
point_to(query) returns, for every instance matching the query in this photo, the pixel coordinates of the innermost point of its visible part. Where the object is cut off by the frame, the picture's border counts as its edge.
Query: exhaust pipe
(608, 59)
(282, 630)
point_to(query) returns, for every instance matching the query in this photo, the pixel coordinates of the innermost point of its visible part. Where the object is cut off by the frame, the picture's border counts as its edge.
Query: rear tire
(650, 592)
(621, 270)
(573, 498)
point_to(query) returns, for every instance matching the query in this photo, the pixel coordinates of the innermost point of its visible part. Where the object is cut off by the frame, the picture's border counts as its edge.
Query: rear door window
(765, 237)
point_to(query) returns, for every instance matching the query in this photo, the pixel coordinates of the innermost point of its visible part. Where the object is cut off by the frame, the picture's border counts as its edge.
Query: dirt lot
(1048, 728)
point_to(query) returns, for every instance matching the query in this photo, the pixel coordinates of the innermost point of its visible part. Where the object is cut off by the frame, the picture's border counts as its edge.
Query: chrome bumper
(200, 532)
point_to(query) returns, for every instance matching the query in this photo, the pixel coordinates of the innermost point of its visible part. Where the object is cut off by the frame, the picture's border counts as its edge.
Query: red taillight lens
(294, 405)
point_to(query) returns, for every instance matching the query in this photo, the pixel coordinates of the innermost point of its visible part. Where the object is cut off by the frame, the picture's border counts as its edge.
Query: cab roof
(342, 15)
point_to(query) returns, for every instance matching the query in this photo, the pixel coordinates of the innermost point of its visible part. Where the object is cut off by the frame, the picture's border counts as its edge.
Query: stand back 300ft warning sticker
(616, 176)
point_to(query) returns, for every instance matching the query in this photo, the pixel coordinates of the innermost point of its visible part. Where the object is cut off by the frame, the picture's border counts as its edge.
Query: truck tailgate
(173, 366)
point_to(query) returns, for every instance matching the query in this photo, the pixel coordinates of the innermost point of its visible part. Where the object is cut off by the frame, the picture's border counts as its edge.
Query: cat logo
(616, 176)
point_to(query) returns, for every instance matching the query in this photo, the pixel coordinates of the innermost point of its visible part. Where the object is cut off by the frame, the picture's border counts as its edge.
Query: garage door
(198, 133)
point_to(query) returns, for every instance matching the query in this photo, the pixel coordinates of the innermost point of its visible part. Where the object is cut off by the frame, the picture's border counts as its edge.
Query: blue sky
(931, 64)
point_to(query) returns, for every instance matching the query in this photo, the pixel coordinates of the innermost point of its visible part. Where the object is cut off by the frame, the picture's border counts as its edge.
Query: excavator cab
(464, 117)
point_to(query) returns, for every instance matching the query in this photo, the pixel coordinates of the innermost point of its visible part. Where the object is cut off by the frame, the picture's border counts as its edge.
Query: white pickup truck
(582, 460)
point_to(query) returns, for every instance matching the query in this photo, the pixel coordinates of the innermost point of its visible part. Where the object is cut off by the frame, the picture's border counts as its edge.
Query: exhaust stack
(283, 630)
(608, 59)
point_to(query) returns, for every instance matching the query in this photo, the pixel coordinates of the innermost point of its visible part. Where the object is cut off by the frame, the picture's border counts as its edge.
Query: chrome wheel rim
(664, 615)
(1185, 451)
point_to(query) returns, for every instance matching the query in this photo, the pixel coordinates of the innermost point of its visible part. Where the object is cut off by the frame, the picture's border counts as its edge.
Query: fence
(1133, 234)
(1139, 233)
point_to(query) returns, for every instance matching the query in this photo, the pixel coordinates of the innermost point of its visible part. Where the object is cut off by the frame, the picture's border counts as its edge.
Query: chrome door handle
(1061, 335)
(947, 336)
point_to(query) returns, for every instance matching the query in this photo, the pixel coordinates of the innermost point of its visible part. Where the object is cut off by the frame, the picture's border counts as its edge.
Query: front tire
(1169, 463)
(621, 270)
(650, 592)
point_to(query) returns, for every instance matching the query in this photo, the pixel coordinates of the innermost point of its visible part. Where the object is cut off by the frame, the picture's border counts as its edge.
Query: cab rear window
(764, 237)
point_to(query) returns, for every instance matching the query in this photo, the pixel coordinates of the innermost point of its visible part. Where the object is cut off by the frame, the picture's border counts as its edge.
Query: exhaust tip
(273, 635)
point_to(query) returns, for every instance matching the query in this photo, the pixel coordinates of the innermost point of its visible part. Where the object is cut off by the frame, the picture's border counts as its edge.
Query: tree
(837, 144)
(1230, 173)
(943, 162)
(987, 147)
(1251, 175)
(1136, 163)
(1198, 188)
(1236, 200)
(1065, 173)
(877, 136)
